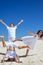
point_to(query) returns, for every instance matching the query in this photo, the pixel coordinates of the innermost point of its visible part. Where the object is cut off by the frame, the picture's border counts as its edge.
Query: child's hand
(28, 32)
(0, 20)
(22, 21)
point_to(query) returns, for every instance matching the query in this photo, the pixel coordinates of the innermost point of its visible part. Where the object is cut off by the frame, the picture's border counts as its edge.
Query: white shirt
(11, 33)
(11, 54)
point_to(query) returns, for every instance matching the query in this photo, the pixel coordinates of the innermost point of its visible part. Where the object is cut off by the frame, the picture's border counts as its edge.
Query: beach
(35, 56)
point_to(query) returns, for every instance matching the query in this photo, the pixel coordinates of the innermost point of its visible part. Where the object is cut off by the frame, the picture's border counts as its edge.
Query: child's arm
(3, 59)
(19, 23)
(32, 34)
(4, 23)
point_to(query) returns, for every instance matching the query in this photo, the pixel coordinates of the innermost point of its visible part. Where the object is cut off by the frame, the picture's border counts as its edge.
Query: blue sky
(31, 11)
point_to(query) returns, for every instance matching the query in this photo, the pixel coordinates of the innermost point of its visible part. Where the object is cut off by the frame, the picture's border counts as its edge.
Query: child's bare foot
(19, 40)
(19, 61)
(1, 36)
(14, 40)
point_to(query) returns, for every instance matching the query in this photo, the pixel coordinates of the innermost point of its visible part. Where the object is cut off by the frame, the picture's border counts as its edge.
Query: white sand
(35, 56)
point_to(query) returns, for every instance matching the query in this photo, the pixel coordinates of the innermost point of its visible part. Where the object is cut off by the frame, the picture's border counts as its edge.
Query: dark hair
(39, 32)
(12, 23)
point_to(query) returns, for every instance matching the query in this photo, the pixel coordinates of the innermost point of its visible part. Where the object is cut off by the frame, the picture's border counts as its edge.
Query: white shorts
(11, 44)
(11, 54)
(11, 39)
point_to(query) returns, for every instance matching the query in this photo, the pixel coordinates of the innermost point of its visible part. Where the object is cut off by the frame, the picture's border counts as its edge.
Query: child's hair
(39, 32)
(12, 23)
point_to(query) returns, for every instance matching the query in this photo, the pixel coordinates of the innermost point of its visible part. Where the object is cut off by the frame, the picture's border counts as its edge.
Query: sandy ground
(35, 56)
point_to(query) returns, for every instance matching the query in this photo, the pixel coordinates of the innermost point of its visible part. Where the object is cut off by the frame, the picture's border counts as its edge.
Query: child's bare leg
(17, 40)
(14, 40)
(18, 59)
(27, 52)
(3, 42)
(21, 47)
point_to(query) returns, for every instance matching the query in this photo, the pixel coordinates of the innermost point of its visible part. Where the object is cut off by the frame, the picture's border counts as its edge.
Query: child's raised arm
(32, 33)
(19, 23)
(4, 23)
